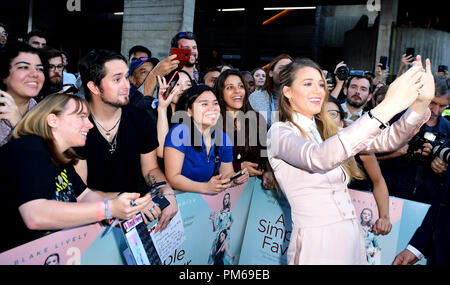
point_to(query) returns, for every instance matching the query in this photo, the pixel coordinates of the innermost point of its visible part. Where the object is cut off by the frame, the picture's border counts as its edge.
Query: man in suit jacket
(432, 238)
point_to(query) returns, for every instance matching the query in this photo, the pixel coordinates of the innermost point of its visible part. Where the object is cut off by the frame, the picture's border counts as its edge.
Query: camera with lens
(344, 72)
(440, 145)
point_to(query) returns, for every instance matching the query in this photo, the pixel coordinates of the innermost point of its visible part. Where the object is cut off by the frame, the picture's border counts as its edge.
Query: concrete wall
(337, 20)
(360, 47)
(429, 43)
(153, 23)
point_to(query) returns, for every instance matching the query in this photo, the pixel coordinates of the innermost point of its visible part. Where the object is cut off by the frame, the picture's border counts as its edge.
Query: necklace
(107, 132)
(113, 145)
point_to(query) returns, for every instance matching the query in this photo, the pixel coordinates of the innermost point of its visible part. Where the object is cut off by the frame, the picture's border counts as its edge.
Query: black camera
(439, 143)
(344, 72)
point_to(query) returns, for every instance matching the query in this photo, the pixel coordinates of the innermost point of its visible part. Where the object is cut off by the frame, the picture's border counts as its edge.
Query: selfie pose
(311, 159)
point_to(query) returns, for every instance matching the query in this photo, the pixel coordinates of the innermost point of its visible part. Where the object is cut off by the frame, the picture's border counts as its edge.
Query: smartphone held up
(183, 55)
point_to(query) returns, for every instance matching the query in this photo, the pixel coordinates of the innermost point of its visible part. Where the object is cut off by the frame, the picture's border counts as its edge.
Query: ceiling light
(118, 13)
(289, 8)
(231, 9)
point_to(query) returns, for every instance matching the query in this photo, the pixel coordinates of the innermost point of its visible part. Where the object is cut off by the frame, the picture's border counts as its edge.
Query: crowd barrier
(258, 229)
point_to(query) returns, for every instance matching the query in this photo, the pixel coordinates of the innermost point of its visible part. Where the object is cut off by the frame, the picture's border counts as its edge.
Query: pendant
(112, 149)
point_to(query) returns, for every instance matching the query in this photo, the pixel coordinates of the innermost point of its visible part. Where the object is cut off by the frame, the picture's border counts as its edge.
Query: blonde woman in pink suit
(313, 161)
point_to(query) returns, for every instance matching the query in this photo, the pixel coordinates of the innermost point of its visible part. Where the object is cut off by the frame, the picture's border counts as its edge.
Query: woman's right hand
(121, 208)
(216, 184)
(164, 103)
(401, 94)
(9, 110)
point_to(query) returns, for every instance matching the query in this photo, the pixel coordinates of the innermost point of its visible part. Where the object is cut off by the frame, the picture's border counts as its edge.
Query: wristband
(382, 125)
(107, 212)
(99, 211)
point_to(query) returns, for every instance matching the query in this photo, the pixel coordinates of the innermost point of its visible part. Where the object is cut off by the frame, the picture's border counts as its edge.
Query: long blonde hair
(325, 125)
(35, 123)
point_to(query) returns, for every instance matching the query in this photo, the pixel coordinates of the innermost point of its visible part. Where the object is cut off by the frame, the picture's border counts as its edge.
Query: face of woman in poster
(307, 93)
(366, 216)
(223, 235)
(226, 201)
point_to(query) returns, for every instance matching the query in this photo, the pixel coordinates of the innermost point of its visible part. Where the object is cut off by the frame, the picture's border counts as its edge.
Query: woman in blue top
(198, 156)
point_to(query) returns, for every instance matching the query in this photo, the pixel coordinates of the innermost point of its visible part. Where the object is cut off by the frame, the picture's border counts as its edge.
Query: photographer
(413, 172)
(431, 238)
(339, 77)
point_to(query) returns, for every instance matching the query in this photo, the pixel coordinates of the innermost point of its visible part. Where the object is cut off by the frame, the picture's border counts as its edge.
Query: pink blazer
(310, 174)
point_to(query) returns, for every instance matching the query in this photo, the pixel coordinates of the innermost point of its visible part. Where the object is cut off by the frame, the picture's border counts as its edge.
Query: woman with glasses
(21, 80)
(312, 159)
(371, 168)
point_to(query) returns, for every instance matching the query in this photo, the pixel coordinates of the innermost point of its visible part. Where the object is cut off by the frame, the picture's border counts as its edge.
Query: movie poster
(380, 249)
(65, 247)
(214, 226)
(268, 229)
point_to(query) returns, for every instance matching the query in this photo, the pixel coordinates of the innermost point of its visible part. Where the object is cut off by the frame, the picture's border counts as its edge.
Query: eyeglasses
(333, 113)
(52, 67)
(144, 59)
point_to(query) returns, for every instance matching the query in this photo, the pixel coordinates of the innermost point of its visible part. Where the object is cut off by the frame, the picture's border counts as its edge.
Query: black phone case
(161, 201)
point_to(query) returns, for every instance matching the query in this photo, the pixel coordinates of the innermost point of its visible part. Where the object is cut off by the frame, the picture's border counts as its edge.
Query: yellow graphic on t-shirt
(61, 181)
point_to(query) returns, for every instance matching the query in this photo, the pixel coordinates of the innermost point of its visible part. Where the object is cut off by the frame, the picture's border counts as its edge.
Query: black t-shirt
(120, 171)
(27, 173)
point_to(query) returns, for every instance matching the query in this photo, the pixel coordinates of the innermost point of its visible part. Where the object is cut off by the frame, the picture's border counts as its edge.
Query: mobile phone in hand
(239, 174)
(172, 82)
(161, 201)
(383, 61)
(410, 51)
(183, 55)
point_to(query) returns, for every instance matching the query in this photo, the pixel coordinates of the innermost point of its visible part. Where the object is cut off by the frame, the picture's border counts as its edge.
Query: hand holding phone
(410, 52)
(237, 175)
(383, 61)
(171, 84)
(183, 55)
